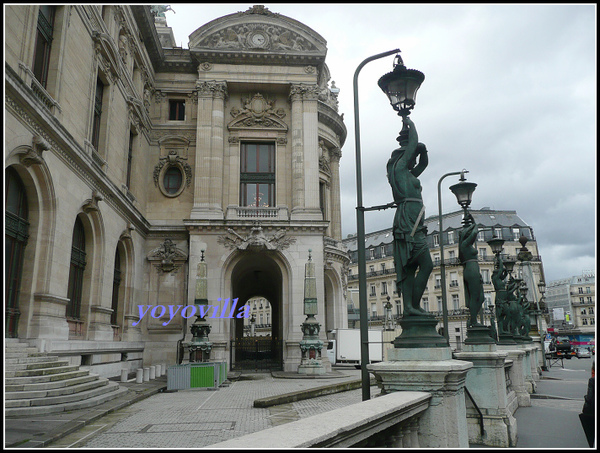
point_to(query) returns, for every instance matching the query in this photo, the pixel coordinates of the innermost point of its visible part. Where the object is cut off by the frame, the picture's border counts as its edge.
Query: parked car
(582, 353)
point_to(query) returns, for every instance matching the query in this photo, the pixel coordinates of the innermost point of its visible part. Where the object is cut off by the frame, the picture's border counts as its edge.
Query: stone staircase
(37, 383)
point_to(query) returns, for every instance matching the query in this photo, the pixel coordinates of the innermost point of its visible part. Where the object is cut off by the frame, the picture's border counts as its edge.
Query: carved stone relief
(256, 240)
(257, 111)
(167, 257)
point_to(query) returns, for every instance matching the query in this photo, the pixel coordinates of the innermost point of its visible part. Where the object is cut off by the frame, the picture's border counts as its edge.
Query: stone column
(305, 153)
(296, 97)
(209, 150)
(444, 424)
(336, 211)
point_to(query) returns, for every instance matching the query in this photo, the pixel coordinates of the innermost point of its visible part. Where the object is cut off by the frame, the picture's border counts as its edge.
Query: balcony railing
(248, 212)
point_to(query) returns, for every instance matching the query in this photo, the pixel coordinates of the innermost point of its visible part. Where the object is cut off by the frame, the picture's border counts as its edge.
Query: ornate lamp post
(442, 261)
(200, 346)
(389, 322)
(418, 326)
(463, 191)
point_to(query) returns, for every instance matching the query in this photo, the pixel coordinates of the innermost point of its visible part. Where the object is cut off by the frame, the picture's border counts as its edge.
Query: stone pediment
(257, 30)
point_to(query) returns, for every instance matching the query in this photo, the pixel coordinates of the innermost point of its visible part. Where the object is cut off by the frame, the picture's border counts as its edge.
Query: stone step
(41, 386)
(112, 391)
(34, 359)
(44, 372)
(27, 350)
(19, 355)
(36, 365)
(56, 396)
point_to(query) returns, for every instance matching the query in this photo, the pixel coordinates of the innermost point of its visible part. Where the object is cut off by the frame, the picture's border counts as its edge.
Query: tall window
(76, 269)
(176, 110)
(43, 43)
(257, 177)
(129, 159)
(115, 293)
(97, 113)
(16, 232)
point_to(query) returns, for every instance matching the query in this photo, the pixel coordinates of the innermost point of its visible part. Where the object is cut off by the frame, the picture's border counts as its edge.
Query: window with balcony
(426, 304)
(257, 176)
(453, 279)
(384, 289)
(455, 302)
(373, 291)
(373, 309)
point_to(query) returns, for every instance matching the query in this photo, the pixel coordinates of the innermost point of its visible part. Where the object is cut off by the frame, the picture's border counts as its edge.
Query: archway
(257, 275)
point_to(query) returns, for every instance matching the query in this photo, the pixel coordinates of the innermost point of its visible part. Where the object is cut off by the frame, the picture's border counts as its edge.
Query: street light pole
(360, 239)
(442, 265)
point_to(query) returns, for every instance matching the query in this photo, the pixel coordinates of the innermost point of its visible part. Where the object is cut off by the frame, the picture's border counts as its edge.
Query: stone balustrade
(386, 421)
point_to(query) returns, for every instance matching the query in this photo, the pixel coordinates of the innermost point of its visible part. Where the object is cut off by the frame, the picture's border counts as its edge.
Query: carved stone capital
(212, 89)
(304, 92)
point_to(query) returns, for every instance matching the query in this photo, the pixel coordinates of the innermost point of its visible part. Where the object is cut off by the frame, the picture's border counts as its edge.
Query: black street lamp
(464, 195)
(401, 86)
(360, 238)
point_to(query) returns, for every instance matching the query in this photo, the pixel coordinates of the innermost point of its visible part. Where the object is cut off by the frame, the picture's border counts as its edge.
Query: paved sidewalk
(204, 416)
(199, 417)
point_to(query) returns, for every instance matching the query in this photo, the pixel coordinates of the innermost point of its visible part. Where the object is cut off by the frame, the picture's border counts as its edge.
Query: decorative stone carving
(91, 204)
(304, 92)
(252, 36)
(173, 159)
(206, 66)
(212, 89)
(33, 155)
(256, 240)
(167, 254)
(257, 112)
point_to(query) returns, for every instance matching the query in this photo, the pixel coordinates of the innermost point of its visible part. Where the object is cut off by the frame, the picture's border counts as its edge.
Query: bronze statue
(467, 254)
(411, 252)
(498, 276)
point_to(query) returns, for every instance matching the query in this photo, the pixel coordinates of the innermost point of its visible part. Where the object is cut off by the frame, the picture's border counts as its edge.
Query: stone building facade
(381, 274)
(128, 159)
(576, 296)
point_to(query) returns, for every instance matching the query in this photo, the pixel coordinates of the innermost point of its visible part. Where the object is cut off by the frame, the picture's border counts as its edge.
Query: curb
(310, 393)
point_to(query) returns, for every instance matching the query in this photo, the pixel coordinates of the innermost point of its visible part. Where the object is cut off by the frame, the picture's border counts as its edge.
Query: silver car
(583, 353)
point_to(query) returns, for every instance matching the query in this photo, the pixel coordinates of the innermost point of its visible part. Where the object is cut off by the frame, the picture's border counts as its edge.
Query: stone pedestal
(432, 370)
(486, 382)
(517, 373)
(527, 366)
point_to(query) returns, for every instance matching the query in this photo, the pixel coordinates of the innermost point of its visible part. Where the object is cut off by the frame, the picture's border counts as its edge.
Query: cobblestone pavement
(199, 417)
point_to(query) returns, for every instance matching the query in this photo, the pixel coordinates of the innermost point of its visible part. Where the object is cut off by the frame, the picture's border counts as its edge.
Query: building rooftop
(485, 218)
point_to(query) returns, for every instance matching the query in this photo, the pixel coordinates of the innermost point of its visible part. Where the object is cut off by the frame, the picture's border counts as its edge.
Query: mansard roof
(258, 36)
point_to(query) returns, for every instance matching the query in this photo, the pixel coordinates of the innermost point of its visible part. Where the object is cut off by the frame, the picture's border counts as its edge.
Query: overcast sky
(509, 94)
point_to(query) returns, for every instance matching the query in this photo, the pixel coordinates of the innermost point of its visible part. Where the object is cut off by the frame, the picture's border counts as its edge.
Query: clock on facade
(258, 39)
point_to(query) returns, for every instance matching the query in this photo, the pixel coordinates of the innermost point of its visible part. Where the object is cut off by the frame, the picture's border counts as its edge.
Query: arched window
(115, 293)
(77, 267)
(16, 232)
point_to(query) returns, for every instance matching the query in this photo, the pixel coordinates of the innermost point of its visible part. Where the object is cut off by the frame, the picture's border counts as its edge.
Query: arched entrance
(257, 276)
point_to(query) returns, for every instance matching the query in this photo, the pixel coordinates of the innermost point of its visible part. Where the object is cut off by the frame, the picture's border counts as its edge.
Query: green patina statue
(467, 254)
(513, 311)
(498, 276)
(411, 252)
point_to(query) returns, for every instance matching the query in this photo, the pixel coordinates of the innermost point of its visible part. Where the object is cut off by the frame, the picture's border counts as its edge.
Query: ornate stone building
(128, 158)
